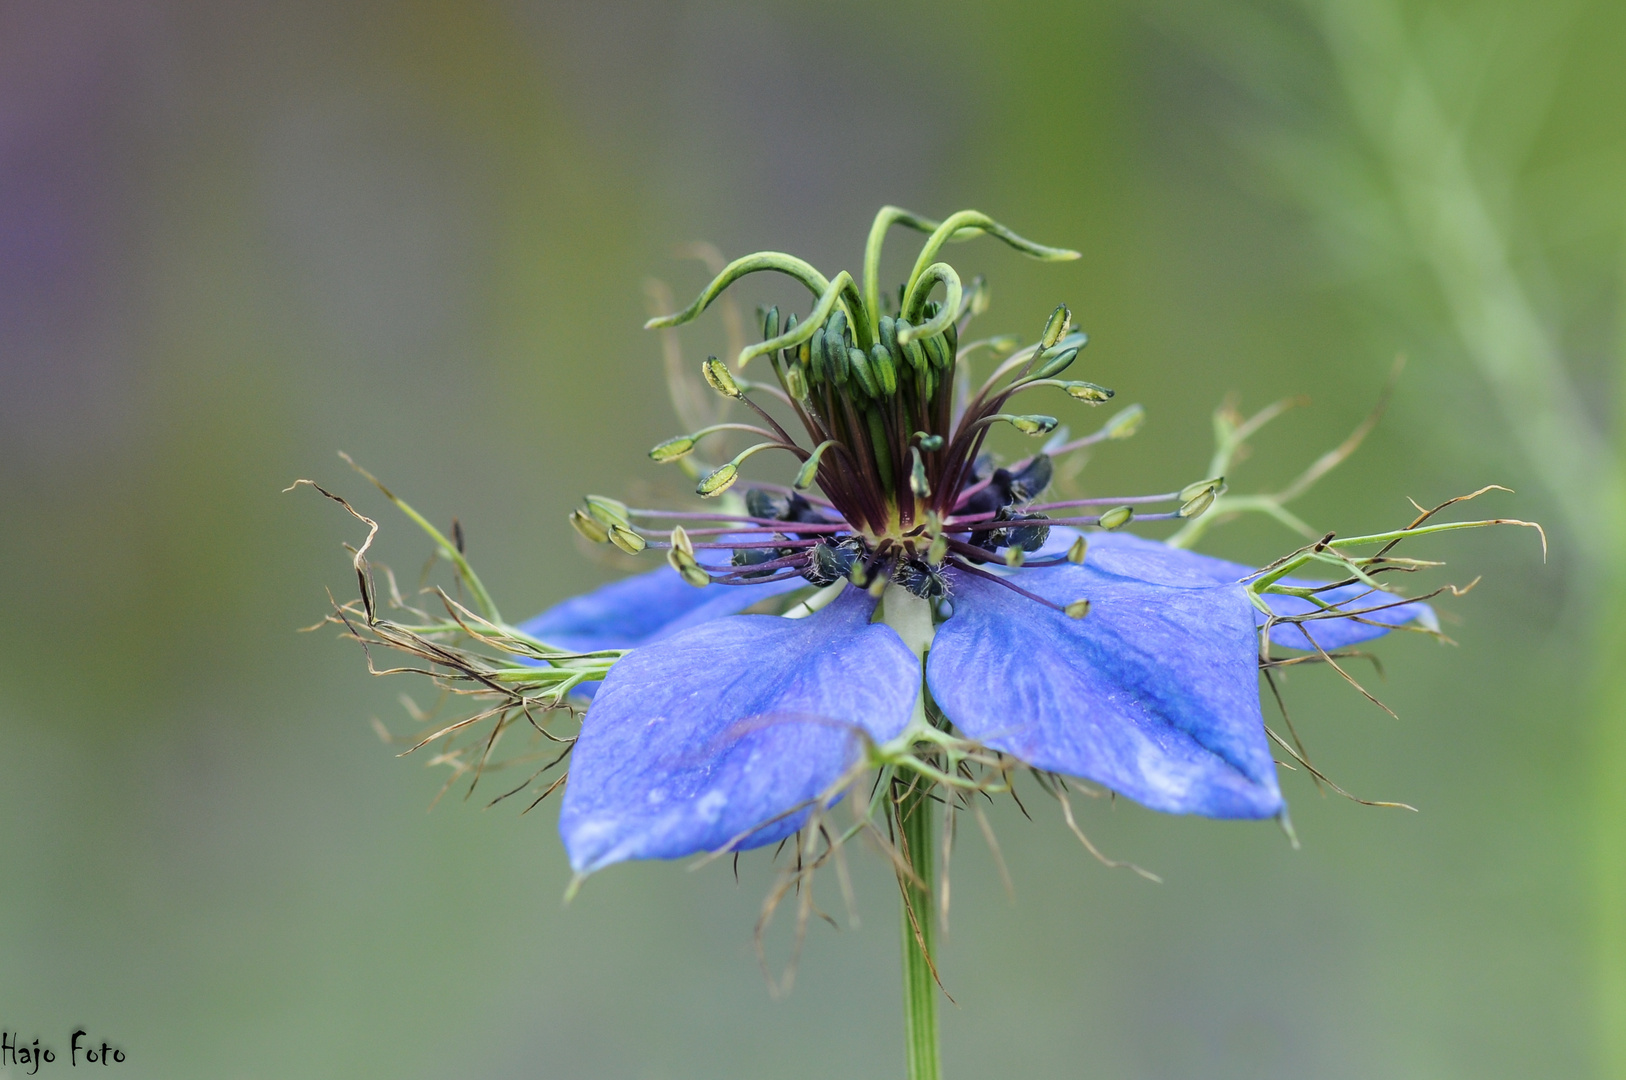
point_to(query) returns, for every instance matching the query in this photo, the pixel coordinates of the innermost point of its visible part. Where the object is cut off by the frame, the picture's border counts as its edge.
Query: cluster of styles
(908, 614)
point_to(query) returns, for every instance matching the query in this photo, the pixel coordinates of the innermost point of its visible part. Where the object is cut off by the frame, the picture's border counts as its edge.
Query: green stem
(919, 980)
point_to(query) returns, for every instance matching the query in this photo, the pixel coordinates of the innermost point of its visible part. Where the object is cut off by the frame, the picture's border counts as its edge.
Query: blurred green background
(235, 239)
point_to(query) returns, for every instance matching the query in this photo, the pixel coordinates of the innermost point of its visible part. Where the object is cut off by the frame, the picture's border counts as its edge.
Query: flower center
(894, 431)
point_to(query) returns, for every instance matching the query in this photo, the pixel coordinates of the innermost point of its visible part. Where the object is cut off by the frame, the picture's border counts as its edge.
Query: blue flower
(924, 597)
(719, 729)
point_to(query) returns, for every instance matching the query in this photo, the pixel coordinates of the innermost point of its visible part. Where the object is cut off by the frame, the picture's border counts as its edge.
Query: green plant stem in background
(919, 980)
(1610, 830)
(1610, 780)
(1396, 94)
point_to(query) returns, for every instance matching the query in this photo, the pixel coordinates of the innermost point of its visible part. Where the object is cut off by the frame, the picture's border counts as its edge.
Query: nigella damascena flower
(910, 607)
(922, 595)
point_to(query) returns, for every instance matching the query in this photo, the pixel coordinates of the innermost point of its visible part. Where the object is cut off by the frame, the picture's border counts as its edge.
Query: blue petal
(1150, 560)
(731, 727)
(1154, 694)
(645, 608)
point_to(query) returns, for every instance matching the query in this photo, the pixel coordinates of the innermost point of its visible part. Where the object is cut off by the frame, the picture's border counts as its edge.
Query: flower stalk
(920, 991)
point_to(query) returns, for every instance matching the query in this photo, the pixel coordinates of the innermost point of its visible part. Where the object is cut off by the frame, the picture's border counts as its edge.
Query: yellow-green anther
(1055, 361)
(1029, 425)
(606, 510)
(796, 383)
(1075, 554)
(1004, 344)
(720, 378)
(1056, 327)
(1125, 423)
(810, 467)
(937, 551)
(1117, 517)
(1198, 503)
(672, 449)
(718, 480)
(1088, 391)
(1215, 484)
(689, 570)
(937, 351)
(589, 526)
(770, 323)
(917, 476)
(1014, 556)
(680, 556)
(1077, 609)
(625, 539)
(885, 371)
(858, 575)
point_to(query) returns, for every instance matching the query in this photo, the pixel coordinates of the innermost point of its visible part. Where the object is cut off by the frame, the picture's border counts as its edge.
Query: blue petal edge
(1154, 694)
(722, 734)
(637, 610)
(1130, 556)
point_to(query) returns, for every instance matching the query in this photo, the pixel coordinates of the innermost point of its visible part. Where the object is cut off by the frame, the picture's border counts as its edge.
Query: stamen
(722, 478)
(681, 446)
(966, 567)
(720, 379)
(589, 527)
(810, 467)
(627, 540)
(1117, 517)
(1035, 424)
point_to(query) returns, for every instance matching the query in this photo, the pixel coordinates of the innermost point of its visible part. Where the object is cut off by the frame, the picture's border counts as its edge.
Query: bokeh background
(236, 238)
